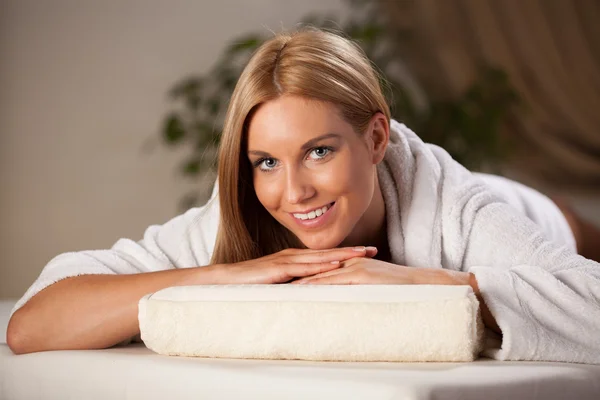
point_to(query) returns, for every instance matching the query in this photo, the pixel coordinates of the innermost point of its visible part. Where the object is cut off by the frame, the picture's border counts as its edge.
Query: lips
(315, 213)
(317, 222)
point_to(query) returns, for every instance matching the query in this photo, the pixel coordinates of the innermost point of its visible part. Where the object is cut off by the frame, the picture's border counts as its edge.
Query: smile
(313, 214)
(317, 218)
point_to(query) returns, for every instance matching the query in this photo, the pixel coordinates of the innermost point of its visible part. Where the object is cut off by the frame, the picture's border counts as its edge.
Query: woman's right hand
(288, 265)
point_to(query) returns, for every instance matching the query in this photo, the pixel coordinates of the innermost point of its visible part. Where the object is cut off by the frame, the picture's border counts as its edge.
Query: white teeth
(313, 214)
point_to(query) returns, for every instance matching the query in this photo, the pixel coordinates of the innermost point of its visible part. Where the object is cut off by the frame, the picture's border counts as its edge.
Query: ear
(378, 135)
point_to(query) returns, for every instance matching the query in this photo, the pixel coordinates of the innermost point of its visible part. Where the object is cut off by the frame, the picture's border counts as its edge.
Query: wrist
(451, 277)
(205, 275)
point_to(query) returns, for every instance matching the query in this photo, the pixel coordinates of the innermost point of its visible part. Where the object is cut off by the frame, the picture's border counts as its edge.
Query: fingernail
(371, 248)
(359, 248)
(335, 262)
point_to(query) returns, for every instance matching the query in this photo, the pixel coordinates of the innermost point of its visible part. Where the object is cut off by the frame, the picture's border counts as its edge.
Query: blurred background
(110, 110)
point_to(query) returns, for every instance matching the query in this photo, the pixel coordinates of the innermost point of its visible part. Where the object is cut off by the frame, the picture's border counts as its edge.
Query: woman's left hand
(368, 271)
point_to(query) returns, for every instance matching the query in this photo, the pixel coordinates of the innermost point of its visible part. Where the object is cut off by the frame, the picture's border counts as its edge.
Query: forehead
(290, 121)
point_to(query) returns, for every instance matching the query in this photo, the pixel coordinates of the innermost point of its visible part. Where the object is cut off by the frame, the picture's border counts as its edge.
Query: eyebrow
(311, 143)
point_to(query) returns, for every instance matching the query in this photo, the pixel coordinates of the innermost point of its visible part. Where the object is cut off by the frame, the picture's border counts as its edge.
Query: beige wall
(82, 88)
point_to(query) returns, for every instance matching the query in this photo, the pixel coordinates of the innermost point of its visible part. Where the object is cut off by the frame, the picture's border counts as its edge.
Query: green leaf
(191, 167)
(366, 34)
(227, 78)
(229, 83)
(214, 105)
(186, 87)
(250, 42)
(193, 102)
(371, 32)
(204, 134)
(208, 136)
(173, 131)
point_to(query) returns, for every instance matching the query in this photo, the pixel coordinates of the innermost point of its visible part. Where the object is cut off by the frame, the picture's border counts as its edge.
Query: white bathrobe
(544, 297)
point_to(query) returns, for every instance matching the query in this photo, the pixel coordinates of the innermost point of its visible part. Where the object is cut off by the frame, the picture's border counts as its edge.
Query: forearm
(91, 311)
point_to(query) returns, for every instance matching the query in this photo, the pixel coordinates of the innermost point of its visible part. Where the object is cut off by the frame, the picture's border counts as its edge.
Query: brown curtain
(551, 52)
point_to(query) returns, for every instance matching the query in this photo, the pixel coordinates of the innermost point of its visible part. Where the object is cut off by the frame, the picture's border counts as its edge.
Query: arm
(88, 299)
(91, 311)
(98, 311)
(544, 297)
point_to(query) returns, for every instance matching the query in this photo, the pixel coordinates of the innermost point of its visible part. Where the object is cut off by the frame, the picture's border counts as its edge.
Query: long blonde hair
(311, 63)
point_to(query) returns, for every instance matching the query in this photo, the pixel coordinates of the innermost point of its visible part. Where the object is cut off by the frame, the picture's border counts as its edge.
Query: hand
(368, 271)
(288, 264)
(374, 272)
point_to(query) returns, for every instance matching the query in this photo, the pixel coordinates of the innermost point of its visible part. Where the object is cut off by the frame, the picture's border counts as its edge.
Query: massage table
(135, 372)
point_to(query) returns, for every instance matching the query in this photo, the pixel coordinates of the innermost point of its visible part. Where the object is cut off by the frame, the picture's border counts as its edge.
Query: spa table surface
(134, 372)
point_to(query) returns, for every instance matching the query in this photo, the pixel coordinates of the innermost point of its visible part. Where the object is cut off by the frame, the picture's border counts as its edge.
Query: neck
(371, 229)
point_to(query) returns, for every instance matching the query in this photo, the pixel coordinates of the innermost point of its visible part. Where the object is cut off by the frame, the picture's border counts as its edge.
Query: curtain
(550, 50)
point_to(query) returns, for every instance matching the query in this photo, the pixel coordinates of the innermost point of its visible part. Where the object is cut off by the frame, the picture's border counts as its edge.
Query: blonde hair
(311, 63)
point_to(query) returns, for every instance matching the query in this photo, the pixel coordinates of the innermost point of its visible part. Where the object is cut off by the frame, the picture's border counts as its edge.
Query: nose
(298, 186)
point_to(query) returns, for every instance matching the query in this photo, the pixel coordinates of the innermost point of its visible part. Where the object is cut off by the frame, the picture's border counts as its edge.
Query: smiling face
(314, 174)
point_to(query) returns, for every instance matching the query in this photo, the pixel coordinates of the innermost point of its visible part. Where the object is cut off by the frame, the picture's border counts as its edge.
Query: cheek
(267, 191)
(337, 180)
(353, 178)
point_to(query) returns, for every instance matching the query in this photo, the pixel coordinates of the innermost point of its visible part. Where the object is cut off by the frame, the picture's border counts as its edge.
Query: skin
(298, 166)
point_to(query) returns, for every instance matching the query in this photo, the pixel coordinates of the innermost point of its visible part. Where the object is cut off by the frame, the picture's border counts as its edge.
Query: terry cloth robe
(544, 297)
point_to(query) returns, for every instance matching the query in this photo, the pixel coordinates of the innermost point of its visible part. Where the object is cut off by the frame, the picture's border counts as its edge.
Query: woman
(317, 185)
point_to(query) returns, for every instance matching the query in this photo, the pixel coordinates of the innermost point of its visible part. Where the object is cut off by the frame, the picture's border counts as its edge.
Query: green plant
(467, 127)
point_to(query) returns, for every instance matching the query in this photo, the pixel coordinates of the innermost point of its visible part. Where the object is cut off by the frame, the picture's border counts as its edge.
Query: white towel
(311, 322)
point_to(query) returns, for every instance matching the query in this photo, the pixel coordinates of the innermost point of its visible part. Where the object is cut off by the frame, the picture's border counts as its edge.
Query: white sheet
(134, 372)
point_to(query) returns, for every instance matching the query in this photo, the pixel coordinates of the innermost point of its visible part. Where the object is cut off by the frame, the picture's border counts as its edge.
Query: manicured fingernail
(335, 262)
(359, 248)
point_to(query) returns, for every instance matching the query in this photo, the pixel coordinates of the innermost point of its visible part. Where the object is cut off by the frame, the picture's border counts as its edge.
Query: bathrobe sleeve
(544, 297)
(185, 241)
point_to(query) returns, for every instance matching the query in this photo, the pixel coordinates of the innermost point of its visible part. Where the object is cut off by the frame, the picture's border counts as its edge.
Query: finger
(326, 274)
(371, 251)
(342, 278)
(342, 267)
(309, 269)
(329, 255)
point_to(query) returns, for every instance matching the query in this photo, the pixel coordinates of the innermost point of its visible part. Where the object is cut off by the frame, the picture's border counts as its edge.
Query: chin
(319, 243)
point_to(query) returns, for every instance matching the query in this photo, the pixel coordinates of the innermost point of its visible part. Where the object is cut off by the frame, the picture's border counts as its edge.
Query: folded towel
(310, 322)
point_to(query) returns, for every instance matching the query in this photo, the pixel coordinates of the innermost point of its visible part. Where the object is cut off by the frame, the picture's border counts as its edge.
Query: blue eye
(266, 164)
(318, 153)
